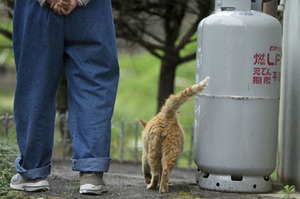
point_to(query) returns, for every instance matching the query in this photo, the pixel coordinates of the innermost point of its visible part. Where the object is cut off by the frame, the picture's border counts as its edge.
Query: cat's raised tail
(174, 102)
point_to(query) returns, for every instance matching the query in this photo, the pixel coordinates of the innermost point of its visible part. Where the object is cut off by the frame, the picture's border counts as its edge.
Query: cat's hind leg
(146, 169)
(154, 163)
(168, 162)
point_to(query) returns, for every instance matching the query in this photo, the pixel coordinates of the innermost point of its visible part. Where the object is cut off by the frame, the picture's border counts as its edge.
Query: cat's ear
(143, 122)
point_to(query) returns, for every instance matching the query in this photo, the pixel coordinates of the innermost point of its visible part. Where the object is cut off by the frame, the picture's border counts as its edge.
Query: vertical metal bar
(136, 141)
(191, 147)
(289, 127)
(65, 129)
(122, 140)
(6, 124)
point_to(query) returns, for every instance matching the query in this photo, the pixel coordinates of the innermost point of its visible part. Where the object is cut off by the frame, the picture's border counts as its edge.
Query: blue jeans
(83, 42)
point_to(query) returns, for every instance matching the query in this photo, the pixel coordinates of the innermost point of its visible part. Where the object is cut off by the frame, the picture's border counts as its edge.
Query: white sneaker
(92, 183)
(19, 183)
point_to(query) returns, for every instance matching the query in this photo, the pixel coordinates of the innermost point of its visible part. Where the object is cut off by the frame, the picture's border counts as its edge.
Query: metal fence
(6, 125)
(126, 141)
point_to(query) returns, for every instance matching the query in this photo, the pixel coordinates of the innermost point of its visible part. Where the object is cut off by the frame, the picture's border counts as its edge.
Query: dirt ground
(125, 181)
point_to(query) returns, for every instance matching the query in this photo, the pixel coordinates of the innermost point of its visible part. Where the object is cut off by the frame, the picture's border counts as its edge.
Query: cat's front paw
(163, 190)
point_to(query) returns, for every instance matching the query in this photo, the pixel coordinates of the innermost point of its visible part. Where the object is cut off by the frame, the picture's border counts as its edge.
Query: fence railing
(6, 124)
(126, 140)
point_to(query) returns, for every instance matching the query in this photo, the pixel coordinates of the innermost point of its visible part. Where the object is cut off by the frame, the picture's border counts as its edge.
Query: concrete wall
(289, 119)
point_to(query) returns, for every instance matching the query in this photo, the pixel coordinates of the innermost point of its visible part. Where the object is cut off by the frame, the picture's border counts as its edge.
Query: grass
(287, 191)
(8, 154)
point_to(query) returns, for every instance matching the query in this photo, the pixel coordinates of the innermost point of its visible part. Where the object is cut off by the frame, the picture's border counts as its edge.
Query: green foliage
(138, 88)
(5, 43)
(6, 101)
(137, 92)
(6, 60)
(287, 191)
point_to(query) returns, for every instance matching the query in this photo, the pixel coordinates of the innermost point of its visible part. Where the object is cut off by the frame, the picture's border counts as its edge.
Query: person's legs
(92, 72)
(38, 43)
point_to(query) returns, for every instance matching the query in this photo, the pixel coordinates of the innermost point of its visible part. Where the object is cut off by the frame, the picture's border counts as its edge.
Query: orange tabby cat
(163, 139)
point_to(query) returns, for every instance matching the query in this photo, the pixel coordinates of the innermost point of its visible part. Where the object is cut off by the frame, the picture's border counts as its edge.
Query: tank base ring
(228, 183)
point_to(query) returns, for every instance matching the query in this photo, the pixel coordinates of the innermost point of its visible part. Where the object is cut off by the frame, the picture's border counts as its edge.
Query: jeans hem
(91, 164)
(35, 173)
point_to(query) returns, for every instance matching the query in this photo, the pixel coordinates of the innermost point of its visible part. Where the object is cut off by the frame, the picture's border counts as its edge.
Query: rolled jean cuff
(91, 164)
(36, 173)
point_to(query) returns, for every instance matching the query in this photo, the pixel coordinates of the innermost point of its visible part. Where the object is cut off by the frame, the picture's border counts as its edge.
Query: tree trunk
(166, 82)
(62, 94)
(270, 8)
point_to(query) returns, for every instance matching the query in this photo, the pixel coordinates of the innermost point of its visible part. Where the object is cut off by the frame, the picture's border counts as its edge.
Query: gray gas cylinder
(235, 133)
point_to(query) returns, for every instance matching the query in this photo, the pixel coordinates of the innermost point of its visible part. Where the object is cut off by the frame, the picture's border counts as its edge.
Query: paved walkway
(125, 181)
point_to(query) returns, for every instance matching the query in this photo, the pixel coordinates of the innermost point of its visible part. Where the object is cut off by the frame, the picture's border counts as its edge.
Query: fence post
(6, 124)
(191, 147)
(65, 131)
(122, 139)
(136, 141)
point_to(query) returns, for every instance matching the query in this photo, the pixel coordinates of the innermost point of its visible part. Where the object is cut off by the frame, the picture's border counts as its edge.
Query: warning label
(266, 66)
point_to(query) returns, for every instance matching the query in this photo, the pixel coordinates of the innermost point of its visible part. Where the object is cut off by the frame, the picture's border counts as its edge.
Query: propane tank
(236, 116)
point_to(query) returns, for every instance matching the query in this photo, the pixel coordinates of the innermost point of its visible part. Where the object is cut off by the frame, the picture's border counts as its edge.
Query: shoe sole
(92, 190)
(30, 187)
